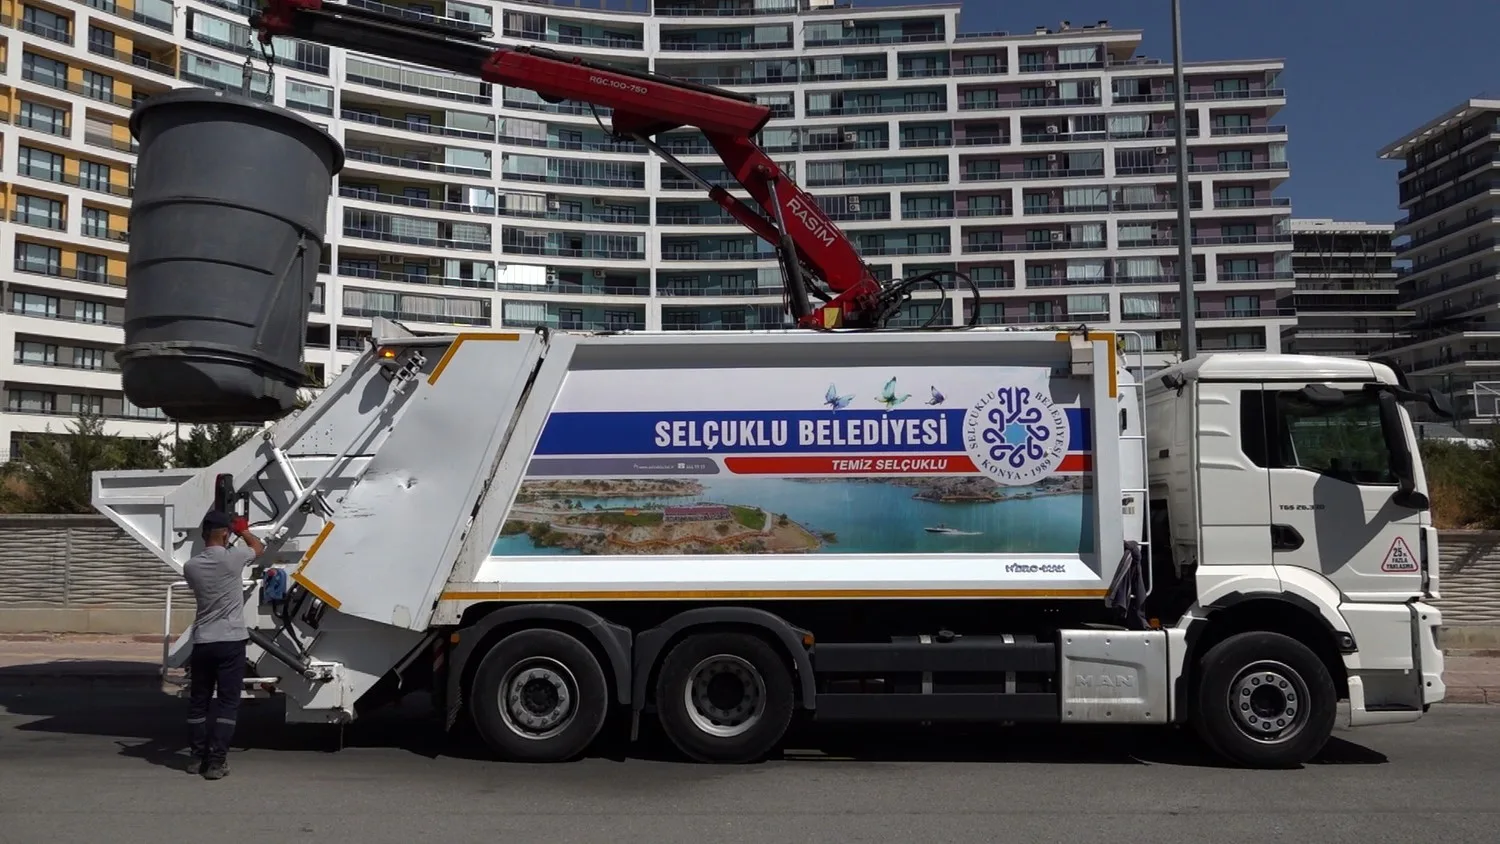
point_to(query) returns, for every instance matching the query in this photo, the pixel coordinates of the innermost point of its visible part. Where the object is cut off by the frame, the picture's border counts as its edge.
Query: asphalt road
(100, 763)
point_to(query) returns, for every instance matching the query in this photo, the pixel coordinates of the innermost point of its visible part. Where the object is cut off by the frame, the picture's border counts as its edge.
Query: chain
(267, 52)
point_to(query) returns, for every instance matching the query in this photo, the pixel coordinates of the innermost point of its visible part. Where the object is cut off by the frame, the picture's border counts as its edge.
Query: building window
(43, 118)
(36, 258)
(35, 304)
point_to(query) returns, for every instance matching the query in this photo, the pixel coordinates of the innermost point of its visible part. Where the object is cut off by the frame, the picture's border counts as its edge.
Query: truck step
(252, 688)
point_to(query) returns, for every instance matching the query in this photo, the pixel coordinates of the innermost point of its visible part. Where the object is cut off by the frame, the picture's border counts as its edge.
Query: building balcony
(1413, 295)
(934, 72)
(883, 108)
(79, 318)
(415, 316)
(1237, 131)
(584, 145)
(1448, 231)
(864, 215)
(60, 177)
(883, 250)
(981, 247)
(409, 81)
(707, 256)
(57, 271)
(136, 60)
(613, 216)
(677, 288)
(1058, 317)
(854, 180)
(157, 14)
(579, 181)
(1213, 314)
(563, 288)
(556, 251)
(383, 236)
(1021, 174)
(404, 201)
(417, 127)
(59, 34)
(670, 44)
(1252, 93)
(1485, 360)
(867, 40)
(721, 9)
(479, 27)
(356, 271)
(369, 156)
(1483, 245)
(103, 231)
(846, 75)
(97, 93)
(1257, 275)
(984, 140)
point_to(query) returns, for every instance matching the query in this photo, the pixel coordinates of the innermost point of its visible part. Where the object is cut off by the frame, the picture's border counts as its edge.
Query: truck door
(1333, 491)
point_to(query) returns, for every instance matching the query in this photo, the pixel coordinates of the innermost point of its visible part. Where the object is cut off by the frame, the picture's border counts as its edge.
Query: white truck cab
(1289, 486)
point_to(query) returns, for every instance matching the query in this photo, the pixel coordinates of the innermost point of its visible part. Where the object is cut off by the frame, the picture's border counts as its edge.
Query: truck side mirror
(1440, 403)
(1399, 449)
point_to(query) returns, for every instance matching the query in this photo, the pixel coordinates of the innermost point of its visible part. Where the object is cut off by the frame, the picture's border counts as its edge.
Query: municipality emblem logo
(1016, 435)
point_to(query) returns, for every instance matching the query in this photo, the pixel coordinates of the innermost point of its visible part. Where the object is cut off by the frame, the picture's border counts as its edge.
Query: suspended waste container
(227, 228)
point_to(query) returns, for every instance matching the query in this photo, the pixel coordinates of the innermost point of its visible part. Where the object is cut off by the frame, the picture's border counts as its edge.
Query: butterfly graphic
(889, 398)
(937, 398)
(836, 401)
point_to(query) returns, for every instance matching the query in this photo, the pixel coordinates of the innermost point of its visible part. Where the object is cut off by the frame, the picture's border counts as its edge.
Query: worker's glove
(239, 524)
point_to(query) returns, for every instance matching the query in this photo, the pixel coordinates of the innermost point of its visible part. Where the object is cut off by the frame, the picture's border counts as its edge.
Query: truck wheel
(1265, 701)
(724, 697)
(539, 696)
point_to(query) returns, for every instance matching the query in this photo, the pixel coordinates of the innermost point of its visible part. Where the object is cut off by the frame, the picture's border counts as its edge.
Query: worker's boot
(216, 770)
(196, 764)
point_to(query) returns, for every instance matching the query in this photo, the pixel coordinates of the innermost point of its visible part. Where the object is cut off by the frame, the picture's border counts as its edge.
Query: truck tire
(724, 697)
(539, 696)
(1265, 701)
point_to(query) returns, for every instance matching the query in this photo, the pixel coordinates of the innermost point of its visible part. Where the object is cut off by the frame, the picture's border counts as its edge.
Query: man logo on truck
(1016, 435)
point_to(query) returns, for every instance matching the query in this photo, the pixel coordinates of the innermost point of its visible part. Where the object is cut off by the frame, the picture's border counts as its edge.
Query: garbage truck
(729, 532)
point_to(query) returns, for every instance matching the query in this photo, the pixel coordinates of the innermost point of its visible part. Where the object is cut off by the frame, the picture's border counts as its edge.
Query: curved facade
(1041, 163)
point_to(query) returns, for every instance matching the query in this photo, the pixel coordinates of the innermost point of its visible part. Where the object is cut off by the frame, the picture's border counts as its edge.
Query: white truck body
(851, 498)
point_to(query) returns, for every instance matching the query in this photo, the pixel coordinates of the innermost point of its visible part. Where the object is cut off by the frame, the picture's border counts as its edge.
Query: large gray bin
(226, 232)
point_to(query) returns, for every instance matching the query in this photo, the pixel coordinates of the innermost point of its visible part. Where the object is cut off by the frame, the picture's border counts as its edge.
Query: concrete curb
(85, 638)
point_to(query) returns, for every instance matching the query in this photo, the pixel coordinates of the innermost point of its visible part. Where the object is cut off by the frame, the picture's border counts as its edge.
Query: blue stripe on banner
(762, 432)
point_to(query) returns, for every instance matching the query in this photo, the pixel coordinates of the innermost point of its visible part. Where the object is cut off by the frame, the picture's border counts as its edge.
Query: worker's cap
(216, 520)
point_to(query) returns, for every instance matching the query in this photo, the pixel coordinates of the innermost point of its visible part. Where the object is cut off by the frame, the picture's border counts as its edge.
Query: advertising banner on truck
(876, 460)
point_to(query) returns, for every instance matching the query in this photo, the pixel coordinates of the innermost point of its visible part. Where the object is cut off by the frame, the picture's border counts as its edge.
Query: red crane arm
(644, 105)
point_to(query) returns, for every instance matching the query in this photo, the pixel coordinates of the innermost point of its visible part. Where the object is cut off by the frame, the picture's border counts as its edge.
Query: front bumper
(1428, 621)
(1398, 670)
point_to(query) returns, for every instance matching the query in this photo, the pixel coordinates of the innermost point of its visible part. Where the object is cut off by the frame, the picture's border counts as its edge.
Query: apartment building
(1041, 163)
(1449, 187)
(1345, 297)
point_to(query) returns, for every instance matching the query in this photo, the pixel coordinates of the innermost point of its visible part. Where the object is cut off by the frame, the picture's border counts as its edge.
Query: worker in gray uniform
(216, 575)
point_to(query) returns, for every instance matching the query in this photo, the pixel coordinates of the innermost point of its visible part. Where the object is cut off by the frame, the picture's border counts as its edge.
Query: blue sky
(1359, 73)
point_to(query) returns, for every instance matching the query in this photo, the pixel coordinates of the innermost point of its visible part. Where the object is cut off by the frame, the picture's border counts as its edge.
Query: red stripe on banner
(881, 464)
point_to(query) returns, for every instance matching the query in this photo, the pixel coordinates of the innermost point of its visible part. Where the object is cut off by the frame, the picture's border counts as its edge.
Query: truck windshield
(1343, 442)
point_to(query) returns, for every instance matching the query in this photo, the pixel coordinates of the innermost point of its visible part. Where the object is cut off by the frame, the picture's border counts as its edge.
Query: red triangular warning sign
(1399, 558)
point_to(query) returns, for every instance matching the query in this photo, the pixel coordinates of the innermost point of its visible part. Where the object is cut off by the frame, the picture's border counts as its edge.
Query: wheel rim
(538, 698)
(725, 695)
(1269, 702)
